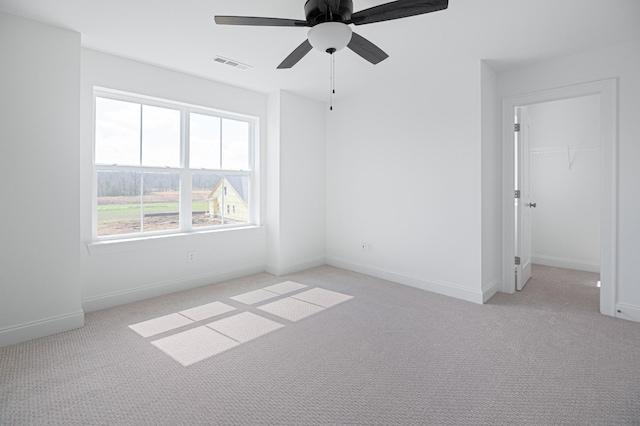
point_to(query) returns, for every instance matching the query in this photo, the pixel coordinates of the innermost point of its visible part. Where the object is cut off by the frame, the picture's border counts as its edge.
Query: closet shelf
(568, 150)
(551, 149)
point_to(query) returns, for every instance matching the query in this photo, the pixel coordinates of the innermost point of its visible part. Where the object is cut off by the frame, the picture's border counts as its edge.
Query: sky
(118, 130)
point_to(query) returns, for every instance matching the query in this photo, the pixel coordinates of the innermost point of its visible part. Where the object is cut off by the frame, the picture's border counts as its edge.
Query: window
(163, 167)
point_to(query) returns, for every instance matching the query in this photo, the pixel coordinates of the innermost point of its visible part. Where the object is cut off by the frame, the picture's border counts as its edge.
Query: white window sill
(154, 241)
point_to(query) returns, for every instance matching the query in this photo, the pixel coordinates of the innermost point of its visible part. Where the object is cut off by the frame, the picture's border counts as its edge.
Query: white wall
(295, 195)
(623, 62)
(566, 183)
(404, 176)
(272, 184)
(39, 169)
(120, 273)
(491, 182)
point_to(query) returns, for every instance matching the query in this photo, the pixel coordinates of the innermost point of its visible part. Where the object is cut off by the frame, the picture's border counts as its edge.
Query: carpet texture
(389, 355)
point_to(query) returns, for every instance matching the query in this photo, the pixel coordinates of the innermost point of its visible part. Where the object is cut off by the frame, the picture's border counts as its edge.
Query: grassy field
(121, 215)
(119, 212)
(123, 208)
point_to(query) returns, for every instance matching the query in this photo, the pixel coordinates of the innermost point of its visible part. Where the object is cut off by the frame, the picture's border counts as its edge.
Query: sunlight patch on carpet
(209, 310)
(291, 309)
(245, 326)
(200, 342)
(194, 345)
(160, 325)
(253, 297)
(322, 297)
(285, 287)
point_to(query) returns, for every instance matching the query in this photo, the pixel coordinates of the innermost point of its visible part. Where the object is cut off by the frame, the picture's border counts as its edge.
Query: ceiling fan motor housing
(318, 11)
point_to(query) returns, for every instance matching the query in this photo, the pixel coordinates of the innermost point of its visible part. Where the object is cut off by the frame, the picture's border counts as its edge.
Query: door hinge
(517, 260)
(517, 193)
(516, 127)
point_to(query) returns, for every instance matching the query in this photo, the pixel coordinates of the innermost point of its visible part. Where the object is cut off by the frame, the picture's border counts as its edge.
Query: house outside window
(165, 167)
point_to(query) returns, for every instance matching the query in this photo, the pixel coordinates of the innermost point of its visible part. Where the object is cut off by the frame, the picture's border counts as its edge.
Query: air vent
(231, 63)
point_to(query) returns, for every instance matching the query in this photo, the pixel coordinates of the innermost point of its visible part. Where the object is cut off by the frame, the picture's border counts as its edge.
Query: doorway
(605, 90)
(558, 171)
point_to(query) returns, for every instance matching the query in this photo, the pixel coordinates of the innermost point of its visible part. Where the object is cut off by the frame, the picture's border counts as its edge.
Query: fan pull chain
(332, 77)
(333, 74)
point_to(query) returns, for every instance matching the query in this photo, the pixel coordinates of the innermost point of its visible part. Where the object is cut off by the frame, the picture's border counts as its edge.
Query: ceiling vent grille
(231, 63)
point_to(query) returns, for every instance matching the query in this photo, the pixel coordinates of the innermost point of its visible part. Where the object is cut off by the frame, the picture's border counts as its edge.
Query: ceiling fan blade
(396, 10)
(257, 21)
(296, 55)
(366, 49)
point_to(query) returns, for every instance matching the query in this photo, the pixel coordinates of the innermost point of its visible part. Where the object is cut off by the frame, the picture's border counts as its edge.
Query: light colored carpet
(389, 355)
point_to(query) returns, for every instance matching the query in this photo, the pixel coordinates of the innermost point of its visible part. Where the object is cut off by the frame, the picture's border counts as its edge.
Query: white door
(523, 205)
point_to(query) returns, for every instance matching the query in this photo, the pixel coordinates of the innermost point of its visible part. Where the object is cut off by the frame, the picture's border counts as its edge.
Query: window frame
(184, 171)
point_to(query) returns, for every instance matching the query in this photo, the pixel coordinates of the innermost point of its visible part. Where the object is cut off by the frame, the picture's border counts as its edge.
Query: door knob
(532, 205)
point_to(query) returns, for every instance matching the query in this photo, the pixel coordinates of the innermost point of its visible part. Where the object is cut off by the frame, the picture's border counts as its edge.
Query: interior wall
(303, 180)
(403, 180)
(621, 61)
(296, 183)
(566, 175)
(118, 273)
(39, 166)
(272, 184)
(491, 182)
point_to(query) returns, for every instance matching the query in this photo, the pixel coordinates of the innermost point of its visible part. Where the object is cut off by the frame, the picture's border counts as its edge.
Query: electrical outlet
(369, 247)
(191, 256)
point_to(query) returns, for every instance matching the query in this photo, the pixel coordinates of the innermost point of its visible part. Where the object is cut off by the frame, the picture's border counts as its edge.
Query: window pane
(160, 137)
(236, 206)
(117, 132)
(219, 200)
(204, 136)
(206, 200)
(161, 201)
(235, 145)
(119, 202)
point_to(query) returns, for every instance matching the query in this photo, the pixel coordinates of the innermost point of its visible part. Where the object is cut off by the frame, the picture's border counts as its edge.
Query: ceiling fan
(329, 25)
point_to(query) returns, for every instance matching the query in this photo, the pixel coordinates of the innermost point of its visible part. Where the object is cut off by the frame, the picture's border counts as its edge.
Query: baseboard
(279, 270)
(559, 262)
(435, 286)
(628, 312)
(489, 291)
(41, 328)
(133, 295)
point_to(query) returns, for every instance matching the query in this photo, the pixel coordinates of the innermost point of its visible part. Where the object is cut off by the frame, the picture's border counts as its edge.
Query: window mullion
(94, 203)
(141, 177)
(254, 169)
(185, 173)
(115, 167)
(141, 127)
(221, 122)
(141, 202)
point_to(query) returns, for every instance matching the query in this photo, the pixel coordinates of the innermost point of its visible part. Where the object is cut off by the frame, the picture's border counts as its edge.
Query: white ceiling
(181, 35)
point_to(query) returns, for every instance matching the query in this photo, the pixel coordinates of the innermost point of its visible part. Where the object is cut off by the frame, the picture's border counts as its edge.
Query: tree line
(126, 183)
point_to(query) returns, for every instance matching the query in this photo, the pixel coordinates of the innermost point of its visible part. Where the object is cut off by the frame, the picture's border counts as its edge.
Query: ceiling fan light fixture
(328, 36)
